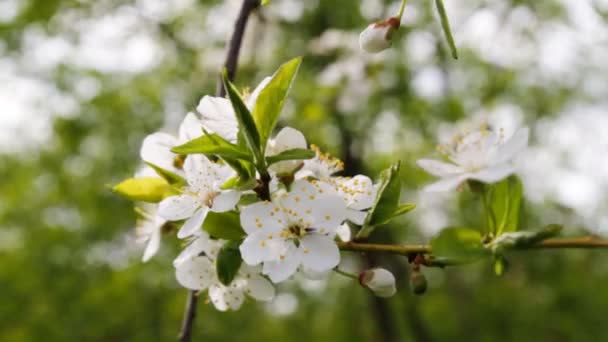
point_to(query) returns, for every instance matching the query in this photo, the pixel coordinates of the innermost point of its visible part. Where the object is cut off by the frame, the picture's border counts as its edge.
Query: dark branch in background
(230, 64)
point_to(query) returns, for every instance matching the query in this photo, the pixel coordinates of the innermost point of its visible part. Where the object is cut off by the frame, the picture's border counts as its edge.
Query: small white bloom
(358, 193)
(149, 229)
(296, 229)
(287, 139)
(380, 281)
(483, 155)
(195, 270)
(323, 165)
(203, 194)
(156, 147)
(217, 114)
(377, 36)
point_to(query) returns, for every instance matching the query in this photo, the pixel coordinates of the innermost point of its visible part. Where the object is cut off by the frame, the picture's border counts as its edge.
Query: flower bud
(418, 283)
(380, 281)
(377, 36)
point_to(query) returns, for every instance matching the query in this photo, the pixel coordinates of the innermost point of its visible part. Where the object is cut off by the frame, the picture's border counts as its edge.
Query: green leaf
(145, 189)
(265, 2)
(457, 243)
(504, 202)
(271, 99)
(213, 144)
(292, 154)
(228, 262)
(404, 208)
(524, 239)
(501, 265)
(239, 183)
(225, 225)
(246, 123)
(171, 178)
(445, 25)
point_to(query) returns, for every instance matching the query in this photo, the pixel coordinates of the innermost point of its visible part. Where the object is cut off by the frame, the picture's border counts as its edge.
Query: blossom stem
(584, 242)
(401, 9)
(346, 274)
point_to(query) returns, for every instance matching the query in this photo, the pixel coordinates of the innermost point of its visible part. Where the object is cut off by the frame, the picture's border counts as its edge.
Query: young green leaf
(213, 144)
(503, 202)
(245, 121)
(404, 208)
(445, 25)
(271, 99)
(457, 243)
(225, 225)
(145, 189)
(239, 183)
(171, 178)
(292, 154)
(228, 262)
(524, 239)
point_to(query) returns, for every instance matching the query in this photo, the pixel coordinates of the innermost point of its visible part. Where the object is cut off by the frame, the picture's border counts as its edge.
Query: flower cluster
(255, 209)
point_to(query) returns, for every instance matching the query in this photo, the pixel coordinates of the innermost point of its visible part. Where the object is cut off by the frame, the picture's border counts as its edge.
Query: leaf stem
(401, 9)
(346, 274)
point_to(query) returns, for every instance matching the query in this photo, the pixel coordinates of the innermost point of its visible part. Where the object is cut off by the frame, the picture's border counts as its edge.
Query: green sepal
(228, 262)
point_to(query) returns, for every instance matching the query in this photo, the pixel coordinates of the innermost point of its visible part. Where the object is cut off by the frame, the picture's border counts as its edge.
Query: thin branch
(556, 243)
(230, 64)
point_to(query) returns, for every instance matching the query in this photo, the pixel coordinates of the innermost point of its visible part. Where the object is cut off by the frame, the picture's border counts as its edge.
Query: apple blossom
(358, 193)
(202, 194)
(323, 165)
(296, 229)
(377, 36)
(287, 138)
(482, 155)
(149, 229)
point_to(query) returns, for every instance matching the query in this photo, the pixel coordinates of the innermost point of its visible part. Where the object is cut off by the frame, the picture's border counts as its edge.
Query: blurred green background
(84, 81)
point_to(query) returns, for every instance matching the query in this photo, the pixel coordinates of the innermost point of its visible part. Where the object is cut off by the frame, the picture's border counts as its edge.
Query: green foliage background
(52, 289)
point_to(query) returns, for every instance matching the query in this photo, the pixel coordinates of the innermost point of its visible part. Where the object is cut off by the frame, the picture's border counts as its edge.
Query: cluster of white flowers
(287, 217)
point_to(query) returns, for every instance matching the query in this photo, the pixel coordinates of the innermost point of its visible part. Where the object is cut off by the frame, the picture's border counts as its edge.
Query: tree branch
(556, 243)
(230, 64)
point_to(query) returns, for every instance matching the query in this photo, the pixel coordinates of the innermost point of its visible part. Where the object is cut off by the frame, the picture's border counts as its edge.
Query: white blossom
(323, 165)
(149, 229)
(377, 36)
(483, 155)
(287, 139)
(380, 281)
(358, 193)
(195, 270)
(296, 229)
(202, 194)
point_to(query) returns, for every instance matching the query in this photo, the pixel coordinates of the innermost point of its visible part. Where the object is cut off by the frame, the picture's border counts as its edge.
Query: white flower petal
(200, 173)
(439, 169)
(259, 288)
(196, 273)
(356, 216)
(284, 267)
(156, 149)
(226, 297)
(344, 233)
(319, 253)
(375, 38)
(190, 128)
(217, 116)
(201, 244)
(193, 224)
(359, 191)
(493, 174)
(328, 212)
(262, 217)
(178, 207)
(446, 184)
(513, 146)
(153, 245)
(225, 201)
(253, 97)
(288, 138)
(260, 247)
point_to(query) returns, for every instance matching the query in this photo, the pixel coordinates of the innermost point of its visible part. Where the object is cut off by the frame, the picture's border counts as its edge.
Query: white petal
(356, 216)
(201, 244)
(285, 267)
(493, 174)
(439, 169)
(328, 212)
(218, 117)
(259, 288)
(152, 246)
(196, 273)
(225, 201)
(199, 172)
(253, 97)
(191, 128)
(513, 146)
(359, 191)
(344, 233)
(446, 184)
(156, 149)
(226, 297)
(257, 248)
(319, 253)
(193, 224)
(288, 138)
(375, 38)
(262, 217)
(178, 207)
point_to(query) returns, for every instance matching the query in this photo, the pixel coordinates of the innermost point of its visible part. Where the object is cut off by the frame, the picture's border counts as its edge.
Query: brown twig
(230, 64)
